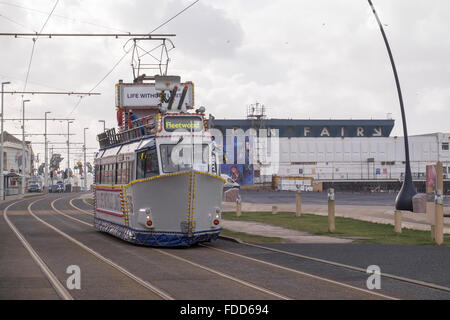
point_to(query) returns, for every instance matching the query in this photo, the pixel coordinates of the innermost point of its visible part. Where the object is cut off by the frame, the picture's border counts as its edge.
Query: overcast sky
(301, 59)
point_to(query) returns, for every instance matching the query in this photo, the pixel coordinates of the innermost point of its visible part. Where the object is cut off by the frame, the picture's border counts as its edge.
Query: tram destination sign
(146, 95)
(187, 123)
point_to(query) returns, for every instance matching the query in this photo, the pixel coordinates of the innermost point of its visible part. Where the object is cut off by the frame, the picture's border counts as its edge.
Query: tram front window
(147, 164)
(176, 158)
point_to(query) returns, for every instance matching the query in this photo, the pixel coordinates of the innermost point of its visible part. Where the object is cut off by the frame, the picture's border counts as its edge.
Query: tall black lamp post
(407, 192)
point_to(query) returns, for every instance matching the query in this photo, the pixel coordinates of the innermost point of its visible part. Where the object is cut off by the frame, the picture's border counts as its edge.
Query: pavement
(20, 196)
(288, 235)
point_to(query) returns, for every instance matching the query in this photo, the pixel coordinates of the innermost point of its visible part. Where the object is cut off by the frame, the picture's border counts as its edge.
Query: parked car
(61, 184)
(230, 183)
(34, 188)
(56, 188)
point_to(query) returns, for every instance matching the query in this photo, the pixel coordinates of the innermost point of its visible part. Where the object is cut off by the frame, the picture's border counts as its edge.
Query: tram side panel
(109, 204)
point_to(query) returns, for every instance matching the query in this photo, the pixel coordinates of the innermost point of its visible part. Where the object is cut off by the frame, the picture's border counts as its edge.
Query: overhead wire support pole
(69, 93)
(58, 143)
(113, 35)
(407, 191)
(84, 164)
(43, 134)
(38, 119)
(2, 177)
(68, 150)
(24, 160)
(46, 153)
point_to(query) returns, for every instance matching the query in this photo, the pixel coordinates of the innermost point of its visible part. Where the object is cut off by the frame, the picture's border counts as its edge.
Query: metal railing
(139, 128)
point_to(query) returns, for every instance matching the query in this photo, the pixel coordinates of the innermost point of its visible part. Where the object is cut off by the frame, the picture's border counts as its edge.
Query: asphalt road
(342, 198)
(220, 270)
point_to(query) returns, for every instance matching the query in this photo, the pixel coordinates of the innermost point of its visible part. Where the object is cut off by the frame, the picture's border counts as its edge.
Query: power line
(34, 44)
(103, 79)
(167, 21)
(60, 16)
(15, 22)
(126, 53)
(69, 93)
(115, 35)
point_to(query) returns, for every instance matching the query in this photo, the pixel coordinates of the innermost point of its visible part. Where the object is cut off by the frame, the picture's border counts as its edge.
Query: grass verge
(90, 201)
(368, 232)
(249, 237)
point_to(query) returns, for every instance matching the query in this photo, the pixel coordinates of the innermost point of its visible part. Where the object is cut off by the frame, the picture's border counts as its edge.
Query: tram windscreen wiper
(180, 140)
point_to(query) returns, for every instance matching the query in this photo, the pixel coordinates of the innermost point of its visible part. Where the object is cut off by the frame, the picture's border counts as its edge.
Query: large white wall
(347, 158)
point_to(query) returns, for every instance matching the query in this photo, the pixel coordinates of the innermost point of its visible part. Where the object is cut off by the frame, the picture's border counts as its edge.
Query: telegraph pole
(2, 177)
(46, 153)
(84, 151)
(68, 149)
(23, 146)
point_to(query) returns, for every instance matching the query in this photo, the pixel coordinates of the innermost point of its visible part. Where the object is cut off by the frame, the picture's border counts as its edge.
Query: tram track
(51, 277)
(79, 209)
(300, 272)
(181, 259)
(279, 267)
(192, 257)
(173, 256)
(98, 260)
(125, 272)
(329, 263)
(345, 266)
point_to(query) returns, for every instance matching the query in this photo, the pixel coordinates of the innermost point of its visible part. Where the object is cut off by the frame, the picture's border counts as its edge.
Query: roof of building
(314, 127)
(10, 138)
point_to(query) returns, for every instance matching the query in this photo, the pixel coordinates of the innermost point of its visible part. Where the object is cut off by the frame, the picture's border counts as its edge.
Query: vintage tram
(157, 182)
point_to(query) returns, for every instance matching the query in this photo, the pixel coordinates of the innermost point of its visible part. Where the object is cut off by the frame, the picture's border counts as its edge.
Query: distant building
(12, 164)
(345, 154)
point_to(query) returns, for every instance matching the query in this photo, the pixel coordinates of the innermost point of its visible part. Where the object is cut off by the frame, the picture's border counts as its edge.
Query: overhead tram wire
(126, 53)
(98, 83)
(167, 21)
(34, 44)
(15, 22)
(117, 35)
(61, 16)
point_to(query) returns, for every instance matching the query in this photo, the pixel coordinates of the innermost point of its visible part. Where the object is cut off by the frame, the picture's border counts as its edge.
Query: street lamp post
(23, 146)
(68, 149)
(2, 177)
(104, 124)
(408, 191)
(46, 152)
(84, 165)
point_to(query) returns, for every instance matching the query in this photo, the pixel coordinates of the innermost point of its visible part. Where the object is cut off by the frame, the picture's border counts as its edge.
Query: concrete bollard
(274, 209)
(298, 207)
(331, 210)
(439, 218)
(238, 207)
(439, 205)
(398, 221)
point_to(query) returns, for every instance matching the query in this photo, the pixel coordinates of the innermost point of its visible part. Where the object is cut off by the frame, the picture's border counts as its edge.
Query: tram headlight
(215, 218)
(146, 217)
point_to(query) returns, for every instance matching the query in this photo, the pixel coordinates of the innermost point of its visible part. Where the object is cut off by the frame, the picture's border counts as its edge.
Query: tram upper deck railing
(139, 128)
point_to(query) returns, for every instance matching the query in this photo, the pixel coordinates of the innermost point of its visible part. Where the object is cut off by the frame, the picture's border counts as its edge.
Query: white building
(361, 159)
(12, 164)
